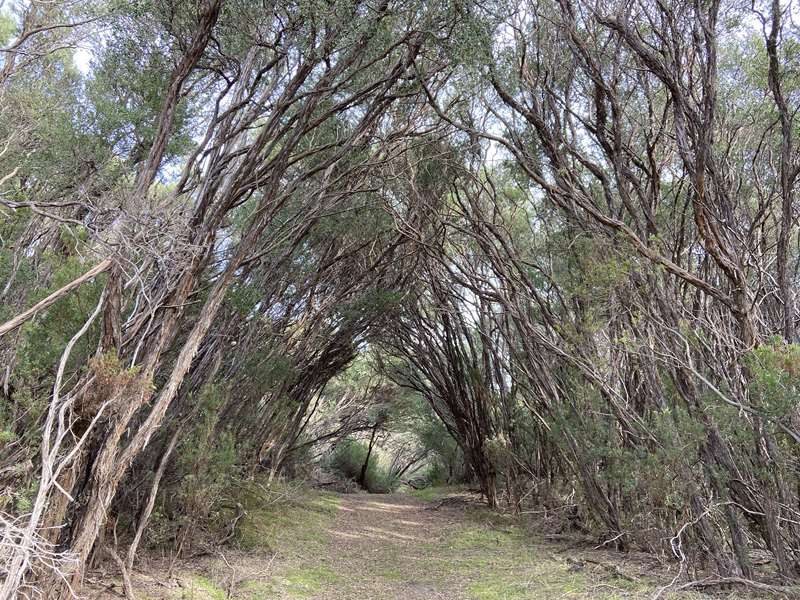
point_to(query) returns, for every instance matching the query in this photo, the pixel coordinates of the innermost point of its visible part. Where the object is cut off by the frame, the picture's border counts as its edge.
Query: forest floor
(397, 547)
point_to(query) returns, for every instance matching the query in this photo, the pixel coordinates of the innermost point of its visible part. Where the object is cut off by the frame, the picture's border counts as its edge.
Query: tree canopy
(546, 246)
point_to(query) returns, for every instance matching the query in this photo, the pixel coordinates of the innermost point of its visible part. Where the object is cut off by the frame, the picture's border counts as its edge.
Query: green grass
(486, 555)
(201, 588)
(306, 581)
(481, 538)
(492, 589)
(428, 494)
(387, 573)
(500, 560)
(550, 578)
(434, 492)
(256, 590)
(294, 524)
(290, 520)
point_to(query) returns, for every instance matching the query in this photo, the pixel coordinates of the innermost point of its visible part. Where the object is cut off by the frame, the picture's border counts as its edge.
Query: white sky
(82, 60)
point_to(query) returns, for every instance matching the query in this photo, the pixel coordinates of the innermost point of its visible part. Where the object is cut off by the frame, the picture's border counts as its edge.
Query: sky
(82, 60)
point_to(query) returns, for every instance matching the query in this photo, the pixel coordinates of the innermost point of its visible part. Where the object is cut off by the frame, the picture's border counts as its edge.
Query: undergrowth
(347, 460)
(283, 517)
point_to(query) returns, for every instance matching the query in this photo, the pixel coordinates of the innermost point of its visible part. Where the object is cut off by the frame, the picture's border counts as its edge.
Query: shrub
(348, 458)
(436, 474)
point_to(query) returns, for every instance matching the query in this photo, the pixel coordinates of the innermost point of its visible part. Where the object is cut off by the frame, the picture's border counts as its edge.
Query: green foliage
(45, 337)
(373, 302)
(12, 227)
(127, 90)
(23, 498)
(447, 461)
(347, 459)
(281, 516)
(207, 461)
(775, 383)
(8, 28)
(202, 444)
(59, 151)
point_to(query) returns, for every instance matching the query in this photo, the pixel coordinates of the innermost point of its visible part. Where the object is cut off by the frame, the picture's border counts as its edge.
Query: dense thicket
(550, 247)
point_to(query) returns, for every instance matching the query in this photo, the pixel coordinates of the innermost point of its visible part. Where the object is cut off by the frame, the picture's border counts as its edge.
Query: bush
(347, 459)
(436, 474)
(447, 463)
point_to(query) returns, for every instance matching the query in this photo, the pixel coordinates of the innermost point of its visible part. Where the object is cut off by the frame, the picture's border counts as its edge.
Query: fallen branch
(790, 591)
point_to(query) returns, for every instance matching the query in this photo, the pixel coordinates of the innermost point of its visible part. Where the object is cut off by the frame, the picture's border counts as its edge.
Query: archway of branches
(548, 248)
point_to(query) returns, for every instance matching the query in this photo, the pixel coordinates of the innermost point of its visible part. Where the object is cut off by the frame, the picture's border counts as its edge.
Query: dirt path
(381, 548)
(397, 547)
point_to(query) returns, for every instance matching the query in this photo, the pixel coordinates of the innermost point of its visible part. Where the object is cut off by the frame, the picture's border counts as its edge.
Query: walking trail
(397, 547)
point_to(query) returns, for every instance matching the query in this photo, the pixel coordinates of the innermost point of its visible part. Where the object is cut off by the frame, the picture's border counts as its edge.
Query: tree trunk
(362, 478)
